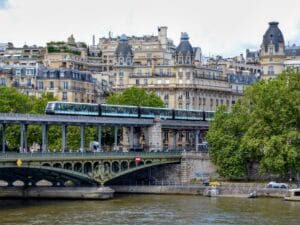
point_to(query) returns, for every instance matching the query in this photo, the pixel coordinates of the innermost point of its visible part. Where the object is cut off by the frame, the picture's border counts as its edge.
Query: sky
(219, 27)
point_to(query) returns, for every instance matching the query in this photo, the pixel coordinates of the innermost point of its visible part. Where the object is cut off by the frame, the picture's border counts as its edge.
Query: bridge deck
(11, 118)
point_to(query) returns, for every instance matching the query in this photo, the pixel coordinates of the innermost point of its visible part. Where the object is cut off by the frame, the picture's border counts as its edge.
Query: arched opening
(124, 165)
(87, 167)
(141, 163)
(18, 183)
(78, 167)
(44, 183)
(69, 183)
(148, 162)
(115, 167)
(132, 164)
(46, 164)
(106, 167)
(57, 165)
(68, 166)
(96, 164)
(3, 183)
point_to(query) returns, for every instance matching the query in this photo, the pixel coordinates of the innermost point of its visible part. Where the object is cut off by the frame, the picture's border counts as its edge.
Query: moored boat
(293, 195)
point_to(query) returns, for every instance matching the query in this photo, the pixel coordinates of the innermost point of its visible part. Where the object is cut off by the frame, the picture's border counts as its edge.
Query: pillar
(25, 138)
(3, 138)
(154, 141)
(100, 137)
(174, 139)
(131, 141)
(116, 138)
(64, 138)
(44, 137)
(22, 136)
(81, 138)
(196, 139)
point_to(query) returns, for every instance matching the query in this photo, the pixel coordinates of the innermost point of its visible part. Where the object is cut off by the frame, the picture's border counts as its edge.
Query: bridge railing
(8, 155)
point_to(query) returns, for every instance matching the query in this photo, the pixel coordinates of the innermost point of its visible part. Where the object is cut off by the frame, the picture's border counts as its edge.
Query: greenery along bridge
(81, 169)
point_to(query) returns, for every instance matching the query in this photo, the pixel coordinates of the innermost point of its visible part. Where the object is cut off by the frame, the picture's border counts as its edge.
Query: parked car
(274, 184)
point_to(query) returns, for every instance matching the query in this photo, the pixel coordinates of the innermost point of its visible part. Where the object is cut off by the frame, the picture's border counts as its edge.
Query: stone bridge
(77, 169)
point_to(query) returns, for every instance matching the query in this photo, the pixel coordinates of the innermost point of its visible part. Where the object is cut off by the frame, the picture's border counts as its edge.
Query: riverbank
(223, 191)
(57, 192)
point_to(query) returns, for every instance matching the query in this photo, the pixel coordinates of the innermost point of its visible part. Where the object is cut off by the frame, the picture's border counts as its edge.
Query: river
(151, 209)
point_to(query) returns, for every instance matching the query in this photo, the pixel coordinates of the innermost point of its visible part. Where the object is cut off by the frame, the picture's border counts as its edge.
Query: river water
(152, 209)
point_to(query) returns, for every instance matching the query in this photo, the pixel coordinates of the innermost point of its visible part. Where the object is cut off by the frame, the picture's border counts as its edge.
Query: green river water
(151, 209)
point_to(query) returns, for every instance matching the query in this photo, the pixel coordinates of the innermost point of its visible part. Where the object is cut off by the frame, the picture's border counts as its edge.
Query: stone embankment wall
(226, 191)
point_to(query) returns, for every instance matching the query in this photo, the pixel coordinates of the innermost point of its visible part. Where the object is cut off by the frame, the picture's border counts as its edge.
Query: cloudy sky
(219, 27)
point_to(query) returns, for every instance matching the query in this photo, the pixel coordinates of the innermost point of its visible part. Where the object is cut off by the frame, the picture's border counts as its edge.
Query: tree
(263, 127)
(135, 96)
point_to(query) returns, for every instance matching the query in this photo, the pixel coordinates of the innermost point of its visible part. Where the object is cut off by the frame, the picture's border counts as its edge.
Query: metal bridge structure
(83, 168)
(77, 169)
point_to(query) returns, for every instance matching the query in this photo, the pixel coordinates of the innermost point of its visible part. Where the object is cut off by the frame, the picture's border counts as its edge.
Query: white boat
(293, 195)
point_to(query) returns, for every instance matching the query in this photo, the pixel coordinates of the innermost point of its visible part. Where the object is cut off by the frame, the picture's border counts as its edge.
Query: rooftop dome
(123, 49)
(184, 47)
(273, 35)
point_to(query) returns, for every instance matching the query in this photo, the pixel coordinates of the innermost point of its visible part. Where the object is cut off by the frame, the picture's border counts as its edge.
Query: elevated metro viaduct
(152, 129)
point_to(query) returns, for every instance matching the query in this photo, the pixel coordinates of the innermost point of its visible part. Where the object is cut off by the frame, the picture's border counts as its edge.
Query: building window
(166, 95)
(2, 82)
(41, 85)
(121, 60)
(180, 106)
(187, 106)
(180, 95)
(66, 85)
(187, 60)
(128, 61)
(217, 102)
(28, 82)
(187, 95)
(51, 85)
(65, 96)
(161, 72)
(147, 73)
(121, 73)
(137, 82)
(270, 70)
(145, 82)
(180, 60)
(139, 73)
(180, 135)
(169, 73)
(211, 102)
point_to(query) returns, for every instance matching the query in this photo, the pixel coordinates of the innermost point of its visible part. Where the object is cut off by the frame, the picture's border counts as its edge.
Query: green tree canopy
(135, 96)
(263, 127)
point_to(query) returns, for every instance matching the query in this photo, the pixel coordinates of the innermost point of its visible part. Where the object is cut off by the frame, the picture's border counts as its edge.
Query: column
(3, 138)
(174, 139)
(64, 138)
(100, 137)
(131, 141)
(116, 138)
(22, 137)
(196, 139)
(25, 138)
(44, 137)
(81, 138)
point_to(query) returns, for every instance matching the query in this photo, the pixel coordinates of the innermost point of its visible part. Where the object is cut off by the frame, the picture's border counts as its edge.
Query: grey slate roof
(292, 50)
(123, 49)
(273, 35)
(242, 79)
(184, 46)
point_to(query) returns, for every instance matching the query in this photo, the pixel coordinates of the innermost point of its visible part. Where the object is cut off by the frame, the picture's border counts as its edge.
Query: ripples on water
(151, 209)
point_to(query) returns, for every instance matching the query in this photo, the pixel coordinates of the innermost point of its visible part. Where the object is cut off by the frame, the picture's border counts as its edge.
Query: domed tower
(184, 51)
(272, 51)
(123, 54)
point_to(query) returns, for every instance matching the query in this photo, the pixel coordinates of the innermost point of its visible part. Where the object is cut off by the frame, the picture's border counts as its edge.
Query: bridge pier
(81, 138)
(196, 139)
(3, 137)
(44, 137)
(100, 137)
(154, 135)
(64, 137)
(115, 137)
